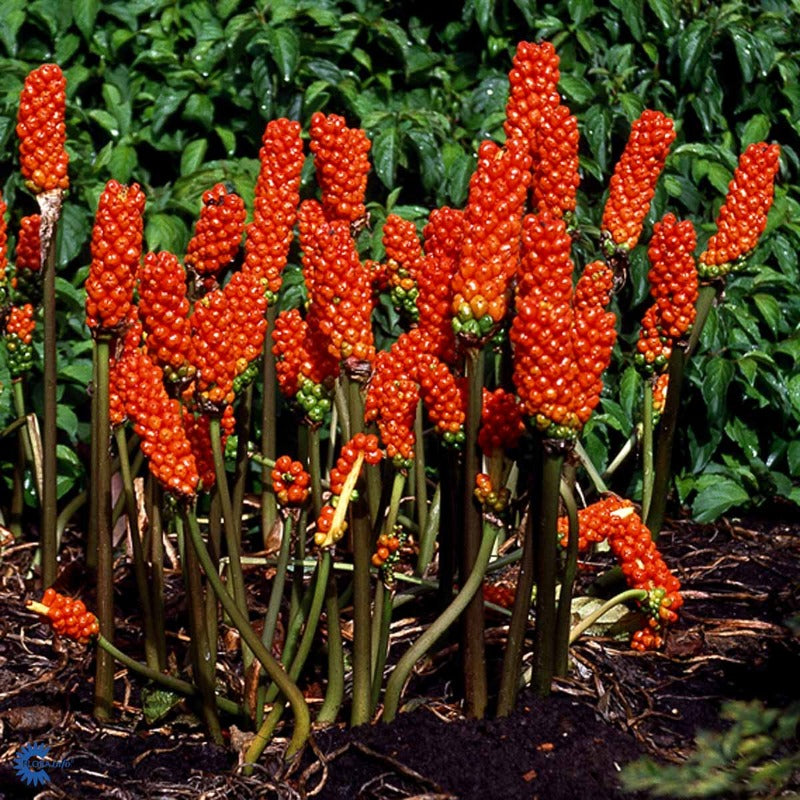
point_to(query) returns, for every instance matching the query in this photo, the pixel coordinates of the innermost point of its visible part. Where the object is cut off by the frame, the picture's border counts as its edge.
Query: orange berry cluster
(129, 341)
(3, 256)
(164, 311)
(743, 215)
(228, 328)
(501, 593)
(342, 166)
(338, 284)
(277, 195)
(27, 280)
(19, 337)
(444, 398)
(660, 386)
(69, 617)
(116, 249)
(502, 422)
(42, 130)
(562, 339)
(386, 551)
(555, 165)
(198, 431)
(406, 262)
(490, 249)
(290, 482)
(673, 285)
(443, 236)
(630, 540)
(633, 183)
(157, 419)
(494, 499)
(217, 234)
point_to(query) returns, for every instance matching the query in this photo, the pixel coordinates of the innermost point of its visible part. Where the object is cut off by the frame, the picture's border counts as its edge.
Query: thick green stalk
(647, 448)
(428, 534)
(472, 584)
(278, 583)
(49, 495)
(156, 542)
(315, 469)
(474, 654)
(215, 551)
(94, 498)
(269, 414)
(167, 681)
(545, 559)
(563, 616)
(140, 570)
(204, 652)
(452, 520)
(420, 481)
(384, 603)
(18, 394)
(244, 416)
(276, 673)
(334, 693)
(588, 621)
(669, 417)
(101, 484)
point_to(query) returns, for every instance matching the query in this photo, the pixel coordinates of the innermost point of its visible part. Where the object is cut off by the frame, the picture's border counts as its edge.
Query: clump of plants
(413, 458)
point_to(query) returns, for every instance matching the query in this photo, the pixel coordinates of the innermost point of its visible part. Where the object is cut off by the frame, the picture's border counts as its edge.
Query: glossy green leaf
(192, 156)
(719, 496)
(285, 50)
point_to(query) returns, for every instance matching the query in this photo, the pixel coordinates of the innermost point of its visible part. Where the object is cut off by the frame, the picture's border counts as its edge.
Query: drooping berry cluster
(20, 325)
(290, 482)
(387, 551)
(615, 520)
(67, 617)
(157, 419)
(197, 426)
(743, 216)
(633, 183)
(673, 285)
(42, 130)
(342, 166)
(228, 328)
(562, 339)
(27, 281)
(406, 262)
(392, 402)
(495, 500)
(116, 249)
(217, 234)
(490, 248)
(164, 312)
(502, 421)
(331, 524)
(443, 395)
(275, 207)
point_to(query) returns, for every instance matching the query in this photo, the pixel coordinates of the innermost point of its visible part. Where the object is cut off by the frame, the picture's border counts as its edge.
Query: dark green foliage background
(175, 95)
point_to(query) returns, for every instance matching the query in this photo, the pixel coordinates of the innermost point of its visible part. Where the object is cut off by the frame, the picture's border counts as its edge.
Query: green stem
(474, 655)
(420, 482)
(167, 681)
(279, 582)
(269, 413)
(470, 588)
(18, 393)
(156, 542)
(334, 694)
(587, 622)
(276, 673)
(567, 581)
(244, 416)
(427, 539)
(591, 470)
(384, 603)
(101, 483)
(647, 448)
(624, 452)
(315, 469)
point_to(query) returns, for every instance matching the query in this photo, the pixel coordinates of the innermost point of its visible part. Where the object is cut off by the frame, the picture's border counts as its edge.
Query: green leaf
(793, 457)
(285, 50)
(665, 11)
(157, 703)
(770, 310)
(105, 120)
(484, 10)
(595, 130)
(579, 10)
(385, 154)
(693, 47)
(716, 379)
(793, 391)
(12, 14)
(199, 108)
(193, 155)
(122, 163)
(73, 232)
(756, 130)
(166, 232)
(630, 391)
(79, 372)
(716, 498)
(576, 88)
(228, 139)
(67, 420)
(68, 296)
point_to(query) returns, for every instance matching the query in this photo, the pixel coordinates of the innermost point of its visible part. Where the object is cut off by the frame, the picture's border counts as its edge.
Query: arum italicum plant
(413, 463)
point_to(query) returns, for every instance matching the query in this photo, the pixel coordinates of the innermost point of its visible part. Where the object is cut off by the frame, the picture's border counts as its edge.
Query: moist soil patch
(735, 640)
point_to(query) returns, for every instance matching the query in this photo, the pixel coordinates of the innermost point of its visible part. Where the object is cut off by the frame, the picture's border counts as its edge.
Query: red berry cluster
(157, 419)
(555, 163)
(116, 249)
(490, 248)
(27, 280)
(562, 339)
(501, 589)
(228, 328)
(634, 180)
(444, 398)
(385, 550)
(164, 311)
(660, 386)
(42, 130)
(494, 499)
(290, 482)
(217, 234)
(338, 283)
(127, 344)
(67, 617)
(502, 421)
(630, 540)
(361, 444)
(342, 166)
(3, 253)
(406, 262)
(673, 285)
(743, 216)
(20, 325)
(198, 432)
(276, 198)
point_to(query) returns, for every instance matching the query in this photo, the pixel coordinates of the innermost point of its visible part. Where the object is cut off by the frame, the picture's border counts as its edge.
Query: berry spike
(555, 174)
(743, 216)
(27, 280)
(19, 340)
(67, 617)
(405, 263)
(116, 249)
(502, 422)
(4, 293)
(42, 130)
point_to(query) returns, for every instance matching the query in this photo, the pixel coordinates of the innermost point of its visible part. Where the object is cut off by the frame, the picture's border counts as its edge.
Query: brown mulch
(734, 641)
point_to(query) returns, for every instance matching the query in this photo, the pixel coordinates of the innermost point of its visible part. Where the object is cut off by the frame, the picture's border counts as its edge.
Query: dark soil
(734, 641)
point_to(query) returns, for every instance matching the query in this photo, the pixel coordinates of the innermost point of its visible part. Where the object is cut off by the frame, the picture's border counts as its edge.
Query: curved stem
(315, 469)
(587, 622)
(276, 673)
(567, 581)
(591, 470)
(471, 585)
(427, 537)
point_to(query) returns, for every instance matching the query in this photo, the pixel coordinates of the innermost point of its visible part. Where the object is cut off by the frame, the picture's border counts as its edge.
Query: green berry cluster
(314, 400)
